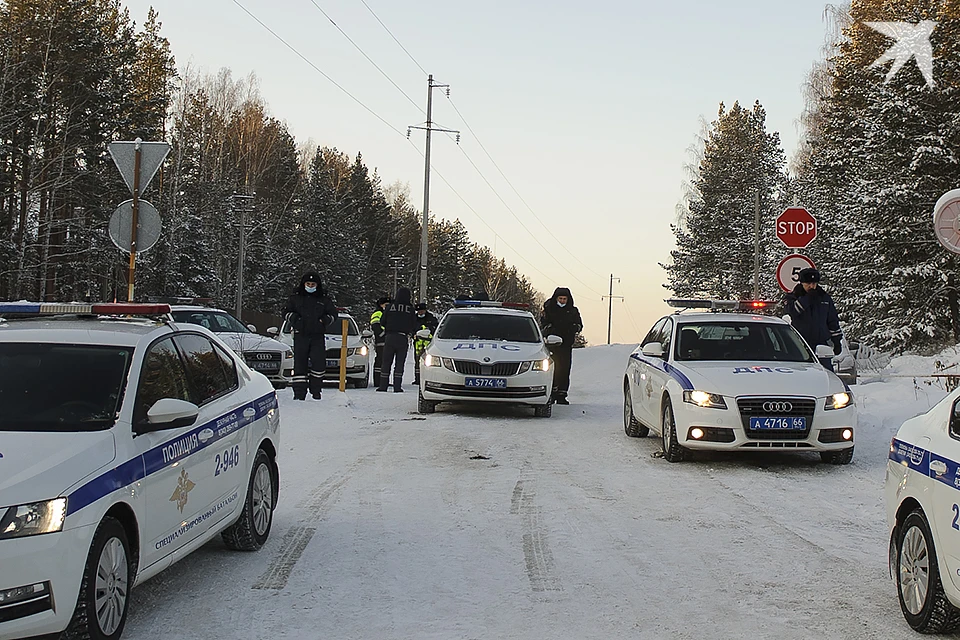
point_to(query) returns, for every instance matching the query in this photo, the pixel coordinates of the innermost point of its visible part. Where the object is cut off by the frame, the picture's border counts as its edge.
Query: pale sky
(588, 108)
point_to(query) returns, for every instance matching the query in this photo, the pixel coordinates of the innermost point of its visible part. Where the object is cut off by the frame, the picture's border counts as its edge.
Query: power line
(623, 301)
(393, 36)
(369, 59)
(318, 70)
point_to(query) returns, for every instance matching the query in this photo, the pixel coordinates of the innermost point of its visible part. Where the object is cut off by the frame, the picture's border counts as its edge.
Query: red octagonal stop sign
(796, 228)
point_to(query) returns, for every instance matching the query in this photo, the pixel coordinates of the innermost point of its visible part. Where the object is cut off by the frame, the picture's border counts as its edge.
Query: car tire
(631, 426)
(425, 406)
(279, 385)
(927, 609)
(251, 531)
(543, 410)
(109, 555)
(672, 451)
(844, 456)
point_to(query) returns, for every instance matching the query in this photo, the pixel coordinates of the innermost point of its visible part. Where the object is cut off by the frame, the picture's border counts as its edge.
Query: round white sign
(946, 220)
(788, 269)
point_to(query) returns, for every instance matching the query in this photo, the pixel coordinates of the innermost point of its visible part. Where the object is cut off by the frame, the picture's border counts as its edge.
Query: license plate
(333, 363)
(790, 424)
(486, 383)
(265, 366)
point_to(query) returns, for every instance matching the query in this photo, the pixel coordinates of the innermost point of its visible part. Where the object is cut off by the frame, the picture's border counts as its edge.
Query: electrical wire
(394, 37)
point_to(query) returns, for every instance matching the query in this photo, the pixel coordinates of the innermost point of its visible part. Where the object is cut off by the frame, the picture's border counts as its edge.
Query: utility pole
(610, 309)
(756, 248)
(396, 263)
(425, 230)
(242, 209)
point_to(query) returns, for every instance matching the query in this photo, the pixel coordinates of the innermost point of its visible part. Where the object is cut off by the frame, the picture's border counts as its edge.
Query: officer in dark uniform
(560, 317)
(813, 314)
(376, 325)
(310, 311)
(399, 324)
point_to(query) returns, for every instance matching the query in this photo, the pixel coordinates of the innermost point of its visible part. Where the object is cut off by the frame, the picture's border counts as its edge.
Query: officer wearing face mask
(561, 318)
(310, 311)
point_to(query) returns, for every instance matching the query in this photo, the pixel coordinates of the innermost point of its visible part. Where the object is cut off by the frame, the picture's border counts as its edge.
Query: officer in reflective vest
(425, 320)
(378, 338)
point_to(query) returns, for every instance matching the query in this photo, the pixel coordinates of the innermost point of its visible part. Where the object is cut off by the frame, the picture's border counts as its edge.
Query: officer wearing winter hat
(813, 313)
(310, 311)
(376, 325)
(428, 321)
(560, 317)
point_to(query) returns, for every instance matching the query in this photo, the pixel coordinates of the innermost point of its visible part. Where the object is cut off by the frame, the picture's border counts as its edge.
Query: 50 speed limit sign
(788, 269)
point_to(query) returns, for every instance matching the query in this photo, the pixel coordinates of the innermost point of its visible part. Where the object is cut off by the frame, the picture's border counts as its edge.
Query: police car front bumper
(40, 581)
(531, 388)
(727, 430)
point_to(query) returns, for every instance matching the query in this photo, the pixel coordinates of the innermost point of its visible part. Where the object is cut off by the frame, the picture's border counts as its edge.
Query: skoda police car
(358, 353)
(486, 351)
(922, 494)
(733, 381)
(126, 442)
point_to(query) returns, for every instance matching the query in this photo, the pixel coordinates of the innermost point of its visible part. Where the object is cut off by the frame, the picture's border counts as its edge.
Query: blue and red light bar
(721, 305)
(491, 303)
(83, 309)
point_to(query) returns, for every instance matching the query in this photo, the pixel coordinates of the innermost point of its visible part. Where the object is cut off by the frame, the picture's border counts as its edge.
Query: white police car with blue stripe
(126, 442)
(737, 382)
(922, 496)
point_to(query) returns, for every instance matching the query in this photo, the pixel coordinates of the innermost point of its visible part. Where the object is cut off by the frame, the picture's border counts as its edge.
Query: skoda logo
(264, 356)
(778, 407)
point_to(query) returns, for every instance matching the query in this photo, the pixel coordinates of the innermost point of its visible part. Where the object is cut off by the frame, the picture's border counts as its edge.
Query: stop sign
(796, 228)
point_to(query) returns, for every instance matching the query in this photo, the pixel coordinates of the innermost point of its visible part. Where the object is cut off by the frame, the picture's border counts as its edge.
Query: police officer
(560, 317)
(428, 321)
(813, 313)
(377, 327)
(399, 323)
(310, 311)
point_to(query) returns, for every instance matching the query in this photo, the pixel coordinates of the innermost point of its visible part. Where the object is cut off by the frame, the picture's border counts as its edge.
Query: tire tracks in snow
(537, 555)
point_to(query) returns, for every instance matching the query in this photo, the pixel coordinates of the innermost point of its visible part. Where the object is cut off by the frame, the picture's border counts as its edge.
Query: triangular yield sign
(152, 155)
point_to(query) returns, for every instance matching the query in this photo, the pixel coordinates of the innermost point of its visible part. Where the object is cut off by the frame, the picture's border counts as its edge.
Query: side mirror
(552, 340)
(424, 333)
(252, 327)
(169, 413)
(823, 351)
(652, 349)
(366, 334)
(272, 331)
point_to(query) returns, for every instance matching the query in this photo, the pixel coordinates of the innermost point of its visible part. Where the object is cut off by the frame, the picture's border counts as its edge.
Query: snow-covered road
(494, 524)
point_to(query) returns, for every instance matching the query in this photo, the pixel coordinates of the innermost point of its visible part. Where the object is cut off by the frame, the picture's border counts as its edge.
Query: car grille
(263, 360)
(473, 368)
(799, 407)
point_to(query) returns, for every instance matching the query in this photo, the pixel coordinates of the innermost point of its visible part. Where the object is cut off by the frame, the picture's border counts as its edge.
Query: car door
(944, 447)
(643, 379)
(658, 372)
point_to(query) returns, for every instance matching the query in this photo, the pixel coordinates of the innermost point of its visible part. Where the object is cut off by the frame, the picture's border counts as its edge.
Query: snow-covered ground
(489, 523)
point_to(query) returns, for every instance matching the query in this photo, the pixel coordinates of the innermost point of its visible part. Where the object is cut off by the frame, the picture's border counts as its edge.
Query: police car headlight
(525, 366)
(838, 401)
(448, 364)
(362, 351)
(33, 519)
(431, 361)
(288, 354)
(541, 365)
(704, 399)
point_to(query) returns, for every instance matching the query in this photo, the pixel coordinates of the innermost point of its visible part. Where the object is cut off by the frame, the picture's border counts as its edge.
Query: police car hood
(38, 466)
(241, 342)
(334, 341)
(762, 378)
(495, 350)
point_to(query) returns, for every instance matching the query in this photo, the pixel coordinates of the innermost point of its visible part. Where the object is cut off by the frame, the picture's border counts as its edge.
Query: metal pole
(756, 249)
(240, 260)
(610, 310)
(133, 219)
(425, 231)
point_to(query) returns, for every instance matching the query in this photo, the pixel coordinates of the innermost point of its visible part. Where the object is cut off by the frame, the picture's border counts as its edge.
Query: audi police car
(126, 442)
(486, 351)
(922, 494)
(358, 353)
(736, 382)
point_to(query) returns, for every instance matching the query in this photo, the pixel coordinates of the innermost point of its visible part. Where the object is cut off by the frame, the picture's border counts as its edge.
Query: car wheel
(631, 425)
(672, 451)
(104, 595)
(250, 532)
(279, 385)
(425, 406)
(543, 410)
(844, 456)
(922, 600)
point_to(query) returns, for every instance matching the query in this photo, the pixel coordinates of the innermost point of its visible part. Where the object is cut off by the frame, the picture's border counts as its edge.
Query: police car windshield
(488, 326)
(216, 321)
(61, 387)
(753, 341)
(336, 329)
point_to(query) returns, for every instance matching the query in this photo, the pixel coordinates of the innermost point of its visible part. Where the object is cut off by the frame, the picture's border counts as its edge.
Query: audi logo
(778, 407)
(264, 356)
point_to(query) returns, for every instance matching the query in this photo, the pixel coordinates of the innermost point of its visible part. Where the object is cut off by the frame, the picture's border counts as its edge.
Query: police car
(270, 357)
(922, 494)
(126, 442)
(486, 351)
(726, 380)
(358, 353)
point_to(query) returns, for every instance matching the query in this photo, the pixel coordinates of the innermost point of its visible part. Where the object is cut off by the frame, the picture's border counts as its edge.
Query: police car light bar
(104, 308)
(490, 303)
(695, 303)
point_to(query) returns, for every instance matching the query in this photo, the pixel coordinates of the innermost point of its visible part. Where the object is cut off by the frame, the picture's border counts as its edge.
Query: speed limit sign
(789, 268)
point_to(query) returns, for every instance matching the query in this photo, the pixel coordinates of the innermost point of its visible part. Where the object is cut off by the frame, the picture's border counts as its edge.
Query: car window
(336, 329)
(665, 336)
(488, 326)
(654, 334)
(61, 387)
(163, 376)
(731, 340)
(206, 372)
(955, 420)
(216, 321)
